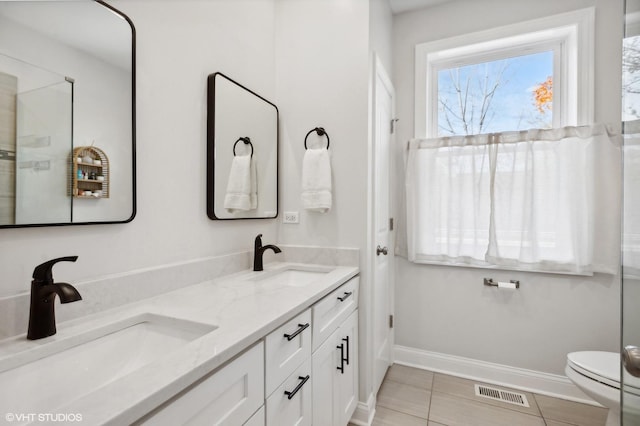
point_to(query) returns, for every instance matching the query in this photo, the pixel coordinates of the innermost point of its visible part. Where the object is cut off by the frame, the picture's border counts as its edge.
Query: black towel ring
(321, 132)
(246, 141)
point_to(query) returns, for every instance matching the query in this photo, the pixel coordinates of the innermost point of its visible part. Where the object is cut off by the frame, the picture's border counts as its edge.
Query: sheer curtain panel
(541, 200)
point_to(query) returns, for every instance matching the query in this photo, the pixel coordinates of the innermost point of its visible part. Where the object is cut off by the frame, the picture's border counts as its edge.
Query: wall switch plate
(290, 217)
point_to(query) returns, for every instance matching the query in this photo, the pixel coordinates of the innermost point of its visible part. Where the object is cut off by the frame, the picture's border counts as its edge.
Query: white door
(383, 250)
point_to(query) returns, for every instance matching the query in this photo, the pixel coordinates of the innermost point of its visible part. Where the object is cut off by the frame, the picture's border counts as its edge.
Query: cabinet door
(325, 363)
(335, 375)
(290, 403)
(347, 383)
(227, 397)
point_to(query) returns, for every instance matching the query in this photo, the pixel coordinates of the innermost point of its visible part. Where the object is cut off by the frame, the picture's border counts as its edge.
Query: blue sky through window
(493, 96)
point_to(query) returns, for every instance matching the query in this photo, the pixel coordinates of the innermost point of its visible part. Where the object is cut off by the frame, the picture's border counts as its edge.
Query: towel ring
(320, 131)
(246, 141)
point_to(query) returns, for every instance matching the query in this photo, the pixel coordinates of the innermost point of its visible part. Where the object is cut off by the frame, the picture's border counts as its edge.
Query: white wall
(380, 32)
(322, 61)
(447, 309)
(322, 72)
(178, 44)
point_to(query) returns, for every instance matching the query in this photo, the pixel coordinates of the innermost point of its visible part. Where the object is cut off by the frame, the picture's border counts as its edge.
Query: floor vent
(501, 395)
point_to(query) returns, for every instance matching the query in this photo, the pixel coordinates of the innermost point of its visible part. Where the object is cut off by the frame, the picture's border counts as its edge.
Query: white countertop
(243, 310)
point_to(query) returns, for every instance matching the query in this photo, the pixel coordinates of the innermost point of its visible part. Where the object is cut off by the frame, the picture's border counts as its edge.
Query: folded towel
(241, 187)
(316, 180)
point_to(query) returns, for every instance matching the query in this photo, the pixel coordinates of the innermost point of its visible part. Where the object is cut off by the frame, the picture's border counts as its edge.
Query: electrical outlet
(290, 217)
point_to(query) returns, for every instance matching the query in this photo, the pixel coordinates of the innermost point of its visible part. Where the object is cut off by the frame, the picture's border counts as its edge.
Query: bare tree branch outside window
(631, 78)
(496, 96)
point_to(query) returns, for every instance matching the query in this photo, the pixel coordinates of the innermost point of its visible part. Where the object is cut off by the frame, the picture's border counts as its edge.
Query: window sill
(491, 267)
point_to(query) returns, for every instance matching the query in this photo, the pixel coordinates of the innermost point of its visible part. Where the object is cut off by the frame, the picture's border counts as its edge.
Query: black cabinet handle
(297, 388)
(298, 331)
(346, 339)
(341, 368)
(346, 295)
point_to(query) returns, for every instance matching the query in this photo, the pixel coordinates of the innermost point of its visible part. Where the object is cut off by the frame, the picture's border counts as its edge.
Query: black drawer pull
(346, 294)
(300, 385)
(346, 339)
(341, 368)
(298, 331)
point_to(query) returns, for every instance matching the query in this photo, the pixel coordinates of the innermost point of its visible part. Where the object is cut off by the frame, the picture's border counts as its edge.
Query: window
(509, 168)
(631, 76)
(455, 78)
(631, 167)
(510, 93)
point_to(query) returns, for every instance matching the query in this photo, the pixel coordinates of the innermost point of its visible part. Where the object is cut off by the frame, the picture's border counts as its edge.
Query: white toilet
(598, 375)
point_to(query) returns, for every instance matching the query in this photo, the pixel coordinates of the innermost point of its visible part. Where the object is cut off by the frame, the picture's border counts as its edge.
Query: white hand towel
(241, 187)
(316, 180)
(253, 192)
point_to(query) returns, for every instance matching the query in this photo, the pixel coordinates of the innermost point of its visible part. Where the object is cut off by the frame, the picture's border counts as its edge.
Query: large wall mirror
(242, 152)
(67, 113)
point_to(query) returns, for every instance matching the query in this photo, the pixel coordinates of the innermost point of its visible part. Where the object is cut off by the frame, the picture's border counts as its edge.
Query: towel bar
(246, 141)
(320, 131)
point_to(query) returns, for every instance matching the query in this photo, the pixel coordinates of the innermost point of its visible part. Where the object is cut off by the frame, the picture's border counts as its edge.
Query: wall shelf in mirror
(89, 173)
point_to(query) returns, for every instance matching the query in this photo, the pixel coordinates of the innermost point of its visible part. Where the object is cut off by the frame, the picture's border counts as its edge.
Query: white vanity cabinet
(286, 348)
(257, 419)
(333, 309)
(229, 396)
(335, 361)
(288, 372)
(290, 403)
(304, 372)
(317, 392)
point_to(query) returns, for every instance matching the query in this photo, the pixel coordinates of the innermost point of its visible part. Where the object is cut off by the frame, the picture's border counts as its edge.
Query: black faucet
(42, 319)
(259, 251)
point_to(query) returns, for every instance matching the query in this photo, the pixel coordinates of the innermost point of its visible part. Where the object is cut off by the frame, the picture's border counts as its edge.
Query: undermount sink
(58, 372)
(294, 276)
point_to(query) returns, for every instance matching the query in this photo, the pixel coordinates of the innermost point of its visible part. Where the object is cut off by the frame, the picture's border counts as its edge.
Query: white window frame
(569, 35)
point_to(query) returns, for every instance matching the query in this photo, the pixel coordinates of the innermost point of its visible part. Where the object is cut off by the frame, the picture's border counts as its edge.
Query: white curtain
(542, 200)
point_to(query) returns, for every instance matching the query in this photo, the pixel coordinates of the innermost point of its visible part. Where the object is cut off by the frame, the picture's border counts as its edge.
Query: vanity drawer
(329, 312)
(294, 406)
(227, 397)
(286, 348)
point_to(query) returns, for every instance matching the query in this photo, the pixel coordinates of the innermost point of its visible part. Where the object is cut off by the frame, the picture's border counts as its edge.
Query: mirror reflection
(66, 114)
(631, 219)
(242, 162)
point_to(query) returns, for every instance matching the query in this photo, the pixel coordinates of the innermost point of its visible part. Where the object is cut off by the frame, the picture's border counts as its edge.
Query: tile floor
(411, 396)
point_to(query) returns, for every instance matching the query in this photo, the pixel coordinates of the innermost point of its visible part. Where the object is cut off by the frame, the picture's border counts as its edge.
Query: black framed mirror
(67, 114)
(242, 152)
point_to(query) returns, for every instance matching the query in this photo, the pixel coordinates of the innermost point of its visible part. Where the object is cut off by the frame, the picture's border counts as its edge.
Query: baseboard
(365, 411)
(497, 374)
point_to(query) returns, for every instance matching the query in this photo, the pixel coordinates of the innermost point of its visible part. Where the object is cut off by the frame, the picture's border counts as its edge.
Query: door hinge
(390, 224)
(393, 124)
(390, 321)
